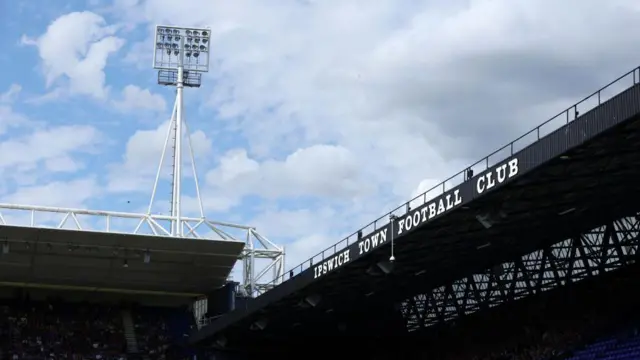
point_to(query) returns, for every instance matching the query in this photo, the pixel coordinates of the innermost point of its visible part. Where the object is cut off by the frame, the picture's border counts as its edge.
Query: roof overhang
(114, 262)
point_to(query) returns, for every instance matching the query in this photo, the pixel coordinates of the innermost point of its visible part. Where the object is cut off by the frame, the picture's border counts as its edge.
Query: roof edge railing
(485, 162)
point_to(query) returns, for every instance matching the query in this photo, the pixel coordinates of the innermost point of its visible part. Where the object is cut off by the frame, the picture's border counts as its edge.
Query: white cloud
(317, 171)
(301, 225)
(135, 98)
(36, 153)
(76, 47)
(10, 119)
(361, 107)
(11, 94)
(62, 163)
(48, 143)
(72, 194)
(142, 155)
(323, 115)
(364, 106)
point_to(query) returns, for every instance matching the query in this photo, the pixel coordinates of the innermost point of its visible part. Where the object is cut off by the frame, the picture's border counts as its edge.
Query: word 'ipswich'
(333, 263)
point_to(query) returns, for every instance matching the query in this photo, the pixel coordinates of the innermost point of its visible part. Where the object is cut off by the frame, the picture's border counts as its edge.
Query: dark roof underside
(55, 257)
(565, 180)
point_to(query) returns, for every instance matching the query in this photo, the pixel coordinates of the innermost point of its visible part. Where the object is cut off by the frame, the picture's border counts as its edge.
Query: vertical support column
(176, 228)
(252, 260)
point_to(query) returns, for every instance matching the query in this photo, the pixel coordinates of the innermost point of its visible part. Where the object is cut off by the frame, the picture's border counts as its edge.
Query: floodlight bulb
(204, 41)
(187, 46)
(197, 40)
(188, 32)
(176, 52)
(160, 30)
(195, 54)
(167, 45)
(203, 48)
(204, 33)
(195, 33)
(189, 39)
(176, 38)
(188, 54)
(176, 31)
(168, 51)
(159, 45)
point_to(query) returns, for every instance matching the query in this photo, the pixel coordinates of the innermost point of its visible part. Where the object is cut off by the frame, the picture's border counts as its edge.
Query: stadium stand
(89, 294)
(158, 329)
(555, 208)
(54, 328)
(587, 320)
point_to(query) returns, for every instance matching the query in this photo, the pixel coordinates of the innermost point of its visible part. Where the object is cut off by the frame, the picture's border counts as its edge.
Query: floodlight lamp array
(182, 46)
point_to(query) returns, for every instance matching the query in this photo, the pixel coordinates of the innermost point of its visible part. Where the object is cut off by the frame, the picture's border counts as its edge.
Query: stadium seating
(617, 347)
(44, 330)
(593, 319)
(152, 331)
(58, 330)
(551, 326)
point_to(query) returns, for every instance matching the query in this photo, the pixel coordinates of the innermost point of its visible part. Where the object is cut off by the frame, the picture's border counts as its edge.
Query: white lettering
(458, 198)
(416, 217)
(400, 225)
(429, 211)
(441, 207)
(432, 210)
(502, 173)
(497, 176)
(409, 222)
(513, 167)
(425, 212)
(331, 264)
(376, 239)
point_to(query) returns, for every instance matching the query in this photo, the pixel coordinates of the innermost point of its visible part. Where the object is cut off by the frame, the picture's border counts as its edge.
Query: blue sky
(316, 117)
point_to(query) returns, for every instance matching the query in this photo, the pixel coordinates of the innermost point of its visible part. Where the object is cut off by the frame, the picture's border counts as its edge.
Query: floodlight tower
(180, 55)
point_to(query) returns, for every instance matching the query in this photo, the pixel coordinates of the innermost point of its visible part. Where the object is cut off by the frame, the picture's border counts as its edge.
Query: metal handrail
(450, 183)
